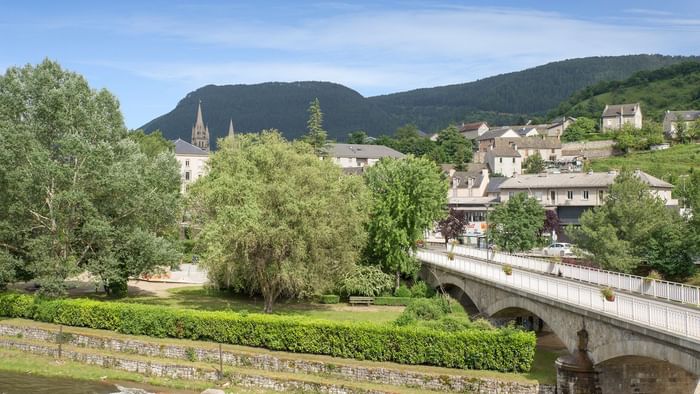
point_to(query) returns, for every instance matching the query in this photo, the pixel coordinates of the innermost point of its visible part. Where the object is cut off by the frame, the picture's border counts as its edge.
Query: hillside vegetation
(503, 99)
(676, 87)
(664, 164)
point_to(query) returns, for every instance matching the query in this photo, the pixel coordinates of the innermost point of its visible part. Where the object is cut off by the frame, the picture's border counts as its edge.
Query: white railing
(671, 291)
(643, 311)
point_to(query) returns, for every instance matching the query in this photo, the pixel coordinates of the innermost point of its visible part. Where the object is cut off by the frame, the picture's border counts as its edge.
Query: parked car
(558, 249)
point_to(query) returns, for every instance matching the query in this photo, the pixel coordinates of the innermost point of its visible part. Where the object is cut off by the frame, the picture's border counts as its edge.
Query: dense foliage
(669, 164)
(276, 220)
(365, 281)
(670, 88)
(316, 135)
(501, 350)
(453, 225)
(579, 129)
(76, 192)
(502, 99)
(516, 224)
(534, 164)
(634, 227)
(408, 197)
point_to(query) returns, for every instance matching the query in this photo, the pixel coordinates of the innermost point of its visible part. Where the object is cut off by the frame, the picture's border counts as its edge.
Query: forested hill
(672, 88)
(273, 105)
(502, 99)
(528, 92)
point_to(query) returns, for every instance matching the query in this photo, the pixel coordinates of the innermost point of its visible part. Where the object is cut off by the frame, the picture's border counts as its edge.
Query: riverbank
(165, 361)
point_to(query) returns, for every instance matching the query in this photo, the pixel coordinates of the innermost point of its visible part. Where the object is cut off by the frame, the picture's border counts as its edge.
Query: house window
(511, 194)
(187, 175)
(569, 194)
(500, 160)
(600, 195)
(187, 163)
(553, 150)
(514, 160)
(552, 195)
(585, 194)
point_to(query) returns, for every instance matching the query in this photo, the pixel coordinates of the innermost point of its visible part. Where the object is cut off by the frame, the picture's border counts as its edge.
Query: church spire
(230, 128)
(200, 132)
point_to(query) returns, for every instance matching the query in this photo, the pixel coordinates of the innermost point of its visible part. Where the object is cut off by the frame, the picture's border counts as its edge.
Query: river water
(21, 383)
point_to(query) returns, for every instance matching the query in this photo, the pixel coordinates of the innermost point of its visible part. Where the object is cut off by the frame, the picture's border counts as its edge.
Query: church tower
(200, 132)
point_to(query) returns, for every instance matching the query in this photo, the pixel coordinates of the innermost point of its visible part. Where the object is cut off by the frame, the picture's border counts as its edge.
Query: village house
(548, 148)
(526, 131)
(488, 138)
(558, 125)
(672, 118)
(615, 116)
(472, 130)
(359, 156)
(504, 159)
(571, 194)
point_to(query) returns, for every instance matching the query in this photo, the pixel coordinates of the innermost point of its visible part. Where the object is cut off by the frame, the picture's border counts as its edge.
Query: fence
(671, 291)
(646, 312)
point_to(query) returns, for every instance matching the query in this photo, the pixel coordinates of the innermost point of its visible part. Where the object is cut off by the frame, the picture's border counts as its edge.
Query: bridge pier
(575, 372)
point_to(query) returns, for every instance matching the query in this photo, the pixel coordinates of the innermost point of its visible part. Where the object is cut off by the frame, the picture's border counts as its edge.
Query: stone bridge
(608, 354)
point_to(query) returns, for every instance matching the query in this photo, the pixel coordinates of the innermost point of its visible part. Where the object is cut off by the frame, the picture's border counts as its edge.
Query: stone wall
(590, 149)
(643, 375)
(269, 362)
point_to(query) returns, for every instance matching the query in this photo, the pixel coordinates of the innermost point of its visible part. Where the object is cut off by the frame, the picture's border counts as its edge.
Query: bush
(393, 301)
(368, 281)
(402, 291)
(329, 299)
(419, 290)
(428, 308)
(501, 350)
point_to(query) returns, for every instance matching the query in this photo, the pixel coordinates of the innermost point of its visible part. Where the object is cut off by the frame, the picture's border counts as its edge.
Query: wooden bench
(361, 300)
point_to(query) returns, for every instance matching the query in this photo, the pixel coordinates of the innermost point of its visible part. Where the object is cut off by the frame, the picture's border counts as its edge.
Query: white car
(558, 249)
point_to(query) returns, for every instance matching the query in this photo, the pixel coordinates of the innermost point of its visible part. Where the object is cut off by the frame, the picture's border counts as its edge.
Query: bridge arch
(465, 295)
(565, 330)
(648, 349)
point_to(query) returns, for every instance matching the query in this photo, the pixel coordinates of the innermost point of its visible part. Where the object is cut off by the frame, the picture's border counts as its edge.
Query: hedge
(329, 299)
(500, 350)
(396, 301)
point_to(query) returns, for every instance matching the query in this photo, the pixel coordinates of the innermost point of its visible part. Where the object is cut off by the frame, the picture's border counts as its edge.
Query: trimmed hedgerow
(501, 350)
(329, 299)
(394, 301)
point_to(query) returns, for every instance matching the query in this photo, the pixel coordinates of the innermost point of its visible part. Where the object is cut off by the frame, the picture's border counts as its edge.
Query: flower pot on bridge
(508, 270)
(608, 294)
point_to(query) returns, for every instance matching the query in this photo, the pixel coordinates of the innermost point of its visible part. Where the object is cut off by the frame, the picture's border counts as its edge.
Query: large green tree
(275, 220)
(634, 226)
(458, 150)
(316, 136)
(76, 193)
(515, 225)
(578, 130)
(151, 144)
(534, 164)
(409, 196)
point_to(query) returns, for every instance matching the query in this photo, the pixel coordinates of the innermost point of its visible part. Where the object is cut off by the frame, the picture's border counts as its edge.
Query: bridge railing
(646, 312)
(671, 291)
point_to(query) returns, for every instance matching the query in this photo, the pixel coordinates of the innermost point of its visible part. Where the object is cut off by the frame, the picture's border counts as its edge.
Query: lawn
(666, 164)
(202, 298)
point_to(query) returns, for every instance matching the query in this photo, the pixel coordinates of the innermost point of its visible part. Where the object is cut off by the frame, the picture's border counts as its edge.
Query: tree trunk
(398, 278)
(269, 301)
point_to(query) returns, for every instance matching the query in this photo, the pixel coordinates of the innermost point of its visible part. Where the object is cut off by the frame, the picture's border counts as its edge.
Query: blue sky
(150, 54)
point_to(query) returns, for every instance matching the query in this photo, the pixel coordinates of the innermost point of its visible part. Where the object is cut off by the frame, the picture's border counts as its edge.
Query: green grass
(543, 369)
(665, 164)
(201, 298)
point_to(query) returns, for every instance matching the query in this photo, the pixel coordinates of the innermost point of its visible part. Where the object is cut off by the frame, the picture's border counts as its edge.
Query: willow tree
(409, 196)
(275, 220)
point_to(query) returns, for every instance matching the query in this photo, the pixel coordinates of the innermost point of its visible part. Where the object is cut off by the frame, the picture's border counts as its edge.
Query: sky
(150, 54)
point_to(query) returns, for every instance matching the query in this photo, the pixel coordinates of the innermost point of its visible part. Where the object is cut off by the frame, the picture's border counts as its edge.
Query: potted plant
(608, 294)
(508, 270)
(450, 255)
(652, 276)
(420, 243)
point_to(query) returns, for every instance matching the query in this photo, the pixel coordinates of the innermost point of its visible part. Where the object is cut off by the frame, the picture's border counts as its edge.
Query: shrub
(501, 350)
(653, 275)
(402, 291)
(368, 281)
(428, 308)
(419, 290)
(393, 301)
(329, 299)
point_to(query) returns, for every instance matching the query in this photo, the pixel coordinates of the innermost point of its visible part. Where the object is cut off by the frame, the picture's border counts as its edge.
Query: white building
(615, 116)
(358, 156)
(193, 162)
(570, 194)
(504, 159)
(672, 118)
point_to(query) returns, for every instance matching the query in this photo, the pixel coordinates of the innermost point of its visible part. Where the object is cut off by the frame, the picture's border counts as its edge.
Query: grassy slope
(665, 164)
